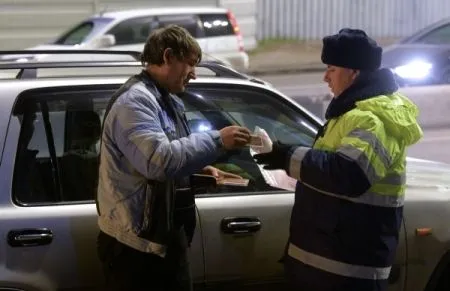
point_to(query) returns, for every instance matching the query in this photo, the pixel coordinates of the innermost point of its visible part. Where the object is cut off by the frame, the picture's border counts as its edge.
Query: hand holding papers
(275, 178)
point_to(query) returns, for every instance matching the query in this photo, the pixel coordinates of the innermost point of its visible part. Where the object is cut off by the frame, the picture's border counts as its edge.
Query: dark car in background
(422, 58)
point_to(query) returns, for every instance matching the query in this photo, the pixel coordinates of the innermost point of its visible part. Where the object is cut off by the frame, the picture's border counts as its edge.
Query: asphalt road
(435, 144)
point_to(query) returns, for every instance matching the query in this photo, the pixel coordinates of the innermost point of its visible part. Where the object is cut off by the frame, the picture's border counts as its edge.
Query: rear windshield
(216, 24)
(83, 31)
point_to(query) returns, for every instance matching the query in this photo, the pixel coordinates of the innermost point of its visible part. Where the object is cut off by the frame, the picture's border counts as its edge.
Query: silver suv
(216, 30)
(49, 135)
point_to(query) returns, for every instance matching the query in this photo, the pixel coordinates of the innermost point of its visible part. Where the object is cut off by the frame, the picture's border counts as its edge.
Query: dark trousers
(127, 269)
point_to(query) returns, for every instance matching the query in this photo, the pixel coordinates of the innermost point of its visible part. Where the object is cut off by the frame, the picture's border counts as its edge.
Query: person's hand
(219, 174)
(277, 158)
(234, 137)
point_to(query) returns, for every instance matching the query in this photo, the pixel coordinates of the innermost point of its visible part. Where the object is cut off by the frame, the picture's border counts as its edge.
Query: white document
(275, 178)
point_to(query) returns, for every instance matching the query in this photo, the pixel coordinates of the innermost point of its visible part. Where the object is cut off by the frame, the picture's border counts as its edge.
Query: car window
(57, 157)
(39, 141)
(216, 24)
(215, 108)
(439, 35)
(190, 22)
(58, 154)
(83, 32)
(132, 31)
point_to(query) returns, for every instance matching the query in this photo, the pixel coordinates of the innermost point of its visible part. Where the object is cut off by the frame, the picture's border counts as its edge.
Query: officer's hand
(234, 137)
(277, 158)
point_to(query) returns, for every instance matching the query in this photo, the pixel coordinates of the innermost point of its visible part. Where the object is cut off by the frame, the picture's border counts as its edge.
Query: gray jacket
(136, 149)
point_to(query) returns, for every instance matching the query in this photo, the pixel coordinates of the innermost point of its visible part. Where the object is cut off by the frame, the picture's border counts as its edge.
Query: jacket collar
(367, 85)
(151, 83)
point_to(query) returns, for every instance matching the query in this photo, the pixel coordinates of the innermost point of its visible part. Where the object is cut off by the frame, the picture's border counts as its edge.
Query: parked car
(49, 136)
(216, 30)
(422, 58)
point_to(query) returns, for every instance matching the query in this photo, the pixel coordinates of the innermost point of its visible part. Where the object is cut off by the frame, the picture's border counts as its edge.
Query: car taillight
(236, 30)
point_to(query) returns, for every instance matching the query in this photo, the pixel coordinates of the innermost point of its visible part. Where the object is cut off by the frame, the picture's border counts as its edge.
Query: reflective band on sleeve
(361, 159)
(370, 198)
(394, 179)
(336, 267)
(375, 143)
(295, 163)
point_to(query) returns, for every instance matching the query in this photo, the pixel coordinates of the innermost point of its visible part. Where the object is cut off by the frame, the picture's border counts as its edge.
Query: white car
(216, 30)
(49, 135)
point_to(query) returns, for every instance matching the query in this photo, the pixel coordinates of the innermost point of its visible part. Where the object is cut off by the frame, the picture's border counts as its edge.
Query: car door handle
(30, 237)
(237, 225)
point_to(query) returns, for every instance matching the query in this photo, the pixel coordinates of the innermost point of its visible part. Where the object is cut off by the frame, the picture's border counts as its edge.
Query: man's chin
(177, 90)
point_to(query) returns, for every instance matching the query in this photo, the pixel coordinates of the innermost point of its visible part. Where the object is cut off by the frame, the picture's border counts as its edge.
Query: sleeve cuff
(295, 162)
(215, 135)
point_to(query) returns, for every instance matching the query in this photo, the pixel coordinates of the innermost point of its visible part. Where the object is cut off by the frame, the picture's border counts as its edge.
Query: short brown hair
(174, 37)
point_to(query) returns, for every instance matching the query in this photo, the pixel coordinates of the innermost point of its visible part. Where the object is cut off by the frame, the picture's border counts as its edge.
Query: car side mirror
(102, 41)
(202, 184)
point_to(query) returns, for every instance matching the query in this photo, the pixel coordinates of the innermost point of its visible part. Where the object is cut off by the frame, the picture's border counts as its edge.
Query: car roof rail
(135, 54)
(222, 70)
(28, 68)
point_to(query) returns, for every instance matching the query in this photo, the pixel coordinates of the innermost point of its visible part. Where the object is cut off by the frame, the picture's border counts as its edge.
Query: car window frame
(152, 24)
(106, 90)
(282, 99)
(80, 92)
(261, 89)
(419, 38)
(97, 24)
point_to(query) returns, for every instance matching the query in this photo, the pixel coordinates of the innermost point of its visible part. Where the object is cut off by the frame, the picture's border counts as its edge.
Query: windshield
(83, 31)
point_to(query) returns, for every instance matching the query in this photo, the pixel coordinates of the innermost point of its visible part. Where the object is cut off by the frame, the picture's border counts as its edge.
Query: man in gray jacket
(146, 154)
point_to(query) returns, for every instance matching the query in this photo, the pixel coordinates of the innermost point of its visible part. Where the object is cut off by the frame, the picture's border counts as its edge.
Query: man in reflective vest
(348, 208)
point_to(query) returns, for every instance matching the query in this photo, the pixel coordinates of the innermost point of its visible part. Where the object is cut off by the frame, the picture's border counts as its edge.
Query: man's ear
(168, 56)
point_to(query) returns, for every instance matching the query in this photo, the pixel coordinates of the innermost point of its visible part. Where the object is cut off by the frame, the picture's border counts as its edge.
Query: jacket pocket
(148, 203)
(156, 215)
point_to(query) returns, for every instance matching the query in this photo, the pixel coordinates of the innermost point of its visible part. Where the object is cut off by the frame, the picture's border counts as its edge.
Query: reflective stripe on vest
(295, 163)
(394, 179)
(360, 157)
(336, 267)
(375, 143)
(370, 198)
(362, 160)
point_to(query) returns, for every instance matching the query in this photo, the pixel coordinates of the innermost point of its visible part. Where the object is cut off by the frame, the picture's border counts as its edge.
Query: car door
(49, 219)
(49, 225)
(245, 229)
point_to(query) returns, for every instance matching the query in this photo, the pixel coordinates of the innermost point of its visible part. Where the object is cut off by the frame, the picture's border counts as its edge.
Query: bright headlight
(414, 70)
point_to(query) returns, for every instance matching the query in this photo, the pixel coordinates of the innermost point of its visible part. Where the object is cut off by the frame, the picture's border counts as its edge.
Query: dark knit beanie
(352, 49)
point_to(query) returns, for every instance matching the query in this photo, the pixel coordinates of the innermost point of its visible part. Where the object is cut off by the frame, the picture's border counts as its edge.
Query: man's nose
(192, 75)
